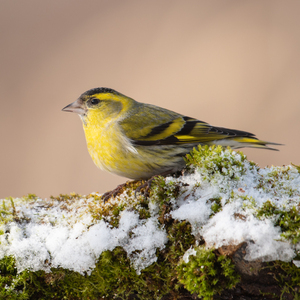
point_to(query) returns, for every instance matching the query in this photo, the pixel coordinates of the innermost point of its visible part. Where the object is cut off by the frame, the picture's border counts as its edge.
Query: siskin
(138, 140)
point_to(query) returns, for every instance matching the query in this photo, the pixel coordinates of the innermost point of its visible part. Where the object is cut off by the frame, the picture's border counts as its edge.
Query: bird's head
(99, 104)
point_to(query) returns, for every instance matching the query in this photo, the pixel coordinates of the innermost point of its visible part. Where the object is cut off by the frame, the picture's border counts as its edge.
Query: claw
(113, 193)
(146, 185)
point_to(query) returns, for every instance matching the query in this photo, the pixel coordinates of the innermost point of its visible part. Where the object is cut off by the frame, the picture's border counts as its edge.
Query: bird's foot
(143, 188)
(146, 186)
(113, 193)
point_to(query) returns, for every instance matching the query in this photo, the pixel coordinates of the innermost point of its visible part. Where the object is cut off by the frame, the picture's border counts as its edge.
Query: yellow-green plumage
(138, 140)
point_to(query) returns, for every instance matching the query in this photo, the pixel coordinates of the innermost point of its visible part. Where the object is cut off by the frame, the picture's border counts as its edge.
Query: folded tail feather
(240, 142)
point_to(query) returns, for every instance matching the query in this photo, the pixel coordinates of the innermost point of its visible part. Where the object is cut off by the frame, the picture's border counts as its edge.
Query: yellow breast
(111, 150)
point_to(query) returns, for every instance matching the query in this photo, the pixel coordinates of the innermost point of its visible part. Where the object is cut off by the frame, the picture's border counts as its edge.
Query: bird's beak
(75, 107)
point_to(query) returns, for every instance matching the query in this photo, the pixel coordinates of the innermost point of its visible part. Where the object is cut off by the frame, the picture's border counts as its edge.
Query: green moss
(207, 274)
(113, 276)
(8, 212)
(214, 160)
(66, 197)
(216, 205)
(31, 197)
(12, 285)
(297, 167)
(288, 277)
(162, 191)
(143, 210)
(277, 181)
(111, 211)
(287, 219)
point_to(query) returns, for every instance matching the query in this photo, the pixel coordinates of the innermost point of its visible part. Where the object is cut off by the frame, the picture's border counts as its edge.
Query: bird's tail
(241, 142)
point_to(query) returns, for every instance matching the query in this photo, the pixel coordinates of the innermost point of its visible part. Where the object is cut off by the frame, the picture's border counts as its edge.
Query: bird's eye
(94, 101)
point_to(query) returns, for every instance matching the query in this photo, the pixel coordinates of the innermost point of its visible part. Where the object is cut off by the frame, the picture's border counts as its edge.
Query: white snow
(188, 253)
(264, 239)
(236, 222)
(75, 242)
(64, 233)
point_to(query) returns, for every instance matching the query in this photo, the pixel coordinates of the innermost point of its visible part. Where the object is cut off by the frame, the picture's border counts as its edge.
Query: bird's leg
(113, 193)
(146, 185)
(118, 190)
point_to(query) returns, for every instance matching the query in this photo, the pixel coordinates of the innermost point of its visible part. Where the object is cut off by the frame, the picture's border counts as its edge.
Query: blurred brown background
(231, 63)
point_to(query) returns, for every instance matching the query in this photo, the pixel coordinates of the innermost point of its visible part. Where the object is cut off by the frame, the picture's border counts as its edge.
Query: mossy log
(221, 229)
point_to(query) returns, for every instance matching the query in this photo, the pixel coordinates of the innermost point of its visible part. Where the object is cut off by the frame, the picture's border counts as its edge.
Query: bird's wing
(180, 130)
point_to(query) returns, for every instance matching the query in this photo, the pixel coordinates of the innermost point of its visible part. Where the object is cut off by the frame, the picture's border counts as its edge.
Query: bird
(138, 140)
